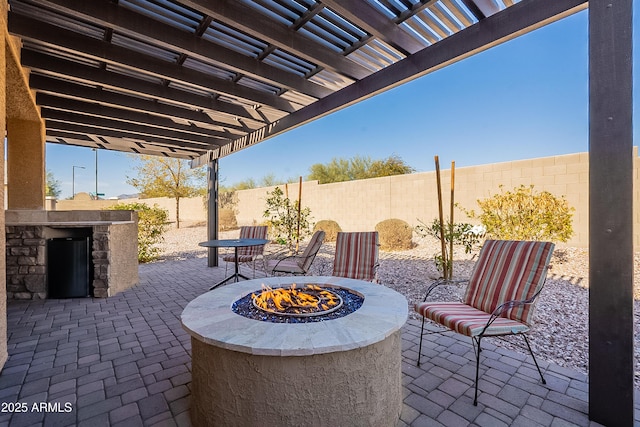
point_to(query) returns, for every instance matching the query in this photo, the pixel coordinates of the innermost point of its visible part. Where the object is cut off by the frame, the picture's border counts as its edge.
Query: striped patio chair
(357, 255)
(297, 264)
(500, 296)
(248, 253)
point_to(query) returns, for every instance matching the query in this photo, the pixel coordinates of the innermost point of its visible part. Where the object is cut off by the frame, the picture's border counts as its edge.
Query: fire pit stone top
(209, 319)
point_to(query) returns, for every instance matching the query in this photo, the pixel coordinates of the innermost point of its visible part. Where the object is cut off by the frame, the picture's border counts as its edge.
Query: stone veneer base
(344, 371)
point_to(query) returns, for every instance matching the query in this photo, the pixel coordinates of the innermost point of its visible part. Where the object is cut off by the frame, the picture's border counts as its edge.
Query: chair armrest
(282, 259)
(278, 254)
(507, 305)
(439, 282)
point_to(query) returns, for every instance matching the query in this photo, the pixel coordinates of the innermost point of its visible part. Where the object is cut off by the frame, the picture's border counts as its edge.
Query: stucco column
(25, 163)
(3, 109)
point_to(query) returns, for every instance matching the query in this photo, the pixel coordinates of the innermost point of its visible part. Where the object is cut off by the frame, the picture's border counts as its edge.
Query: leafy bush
(152, 223)
(283, 219)
(523, 214)
(394, 235)
(227, 219)
(330, 228)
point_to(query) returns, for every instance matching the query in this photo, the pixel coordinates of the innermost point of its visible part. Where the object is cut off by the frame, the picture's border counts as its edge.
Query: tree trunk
(177, 212)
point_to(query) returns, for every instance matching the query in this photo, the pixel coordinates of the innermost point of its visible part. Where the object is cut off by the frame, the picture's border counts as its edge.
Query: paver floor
(125, 361)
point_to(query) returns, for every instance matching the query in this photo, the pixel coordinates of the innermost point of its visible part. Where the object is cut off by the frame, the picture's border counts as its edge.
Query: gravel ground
(560, 334)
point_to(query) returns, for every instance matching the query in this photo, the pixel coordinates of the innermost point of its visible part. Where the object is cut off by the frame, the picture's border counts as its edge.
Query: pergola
(202, 79)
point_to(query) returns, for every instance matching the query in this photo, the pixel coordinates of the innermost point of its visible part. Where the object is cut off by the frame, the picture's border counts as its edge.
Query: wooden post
(212, 211)
(299, 207)
(611, 355)
(445, 270)
(453, 168)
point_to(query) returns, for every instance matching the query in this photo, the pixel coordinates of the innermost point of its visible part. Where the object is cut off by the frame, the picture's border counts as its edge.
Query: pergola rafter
(239, 72)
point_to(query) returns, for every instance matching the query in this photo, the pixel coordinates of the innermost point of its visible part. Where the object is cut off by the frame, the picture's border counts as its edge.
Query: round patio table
(235, 244)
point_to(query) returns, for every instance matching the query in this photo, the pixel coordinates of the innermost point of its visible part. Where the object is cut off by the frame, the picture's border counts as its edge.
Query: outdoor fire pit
(254, 366)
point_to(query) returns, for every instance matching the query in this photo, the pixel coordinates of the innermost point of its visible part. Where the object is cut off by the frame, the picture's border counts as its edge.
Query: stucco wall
(3, 111)
(361, 388)
(123, 266)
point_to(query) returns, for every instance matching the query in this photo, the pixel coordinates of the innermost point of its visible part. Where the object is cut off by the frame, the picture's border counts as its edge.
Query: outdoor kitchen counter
(342, 371)
(113, 249)
(209, 319)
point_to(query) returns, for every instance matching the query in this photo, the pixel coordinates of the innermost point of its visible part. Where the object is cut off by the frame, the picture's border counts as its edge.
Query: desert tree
(52, 185)
(167, 177)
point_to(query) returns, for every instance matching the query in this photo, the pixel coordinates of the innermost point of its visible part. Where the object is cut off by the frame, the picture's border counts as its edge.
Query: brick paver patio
(125, 361)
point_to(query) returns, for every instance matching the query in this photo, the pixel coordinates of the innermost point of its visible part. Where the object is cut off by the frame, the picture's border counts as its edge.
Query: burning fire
(309, 300)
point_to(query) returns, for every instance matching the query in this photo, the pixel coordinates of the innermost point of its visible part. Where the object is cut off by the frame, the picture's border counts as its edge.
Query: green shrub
(394, 235)
(330, 228)
(152, 223)
(227, 219)
(523, 214)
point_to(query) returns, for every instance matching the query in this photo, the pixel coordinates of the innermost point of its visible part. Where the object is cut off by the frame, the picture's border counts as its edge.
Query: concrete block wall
(360, 205)
(192, 210)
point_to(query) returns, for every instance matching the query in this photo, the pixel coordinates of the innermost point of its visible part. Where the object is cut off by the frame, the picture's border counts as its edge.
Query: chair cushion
(508, 270)
(284, 266)
(467, 320)
(241, 258)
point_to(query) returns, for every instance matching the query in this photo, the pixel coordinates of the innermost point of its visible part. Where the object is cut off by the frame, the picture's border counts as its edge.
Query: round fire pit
(342, 371)
(310, 301)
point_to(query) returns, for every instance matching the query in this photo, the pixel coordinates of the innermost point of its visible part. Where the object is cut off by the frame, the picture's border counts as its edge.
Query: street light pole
(73, 181)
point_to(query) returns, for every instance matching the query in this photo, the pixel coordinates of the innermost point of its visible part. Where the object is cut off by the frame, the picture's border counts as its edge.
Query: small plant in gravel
(287, 223)
(330, 228)
(395, 235)
(152, 224)
(461, 234)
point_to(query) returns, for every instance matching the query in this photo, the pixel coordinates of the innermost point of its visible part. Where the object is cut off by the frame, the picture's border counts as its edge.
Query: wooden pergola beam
(144, 28)
(95, 124)
(241, 16)
(98, 50)
(371, 20)
(72, 72)
(52, 102)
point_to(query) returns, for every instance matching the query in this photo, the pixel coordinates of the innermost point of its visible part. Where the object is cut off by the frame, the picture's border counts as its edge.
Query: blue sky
(523, 99)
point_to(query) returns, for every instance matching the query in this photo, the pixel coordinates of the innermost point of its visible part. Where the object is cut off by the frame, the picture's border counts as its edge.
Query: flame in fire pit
(309, 301)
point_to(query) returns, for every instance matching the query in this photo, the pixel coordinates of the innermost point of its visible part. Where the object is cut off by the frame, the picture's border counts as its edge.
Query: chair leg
(534, 358)
(420, 346)
(476, 341)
